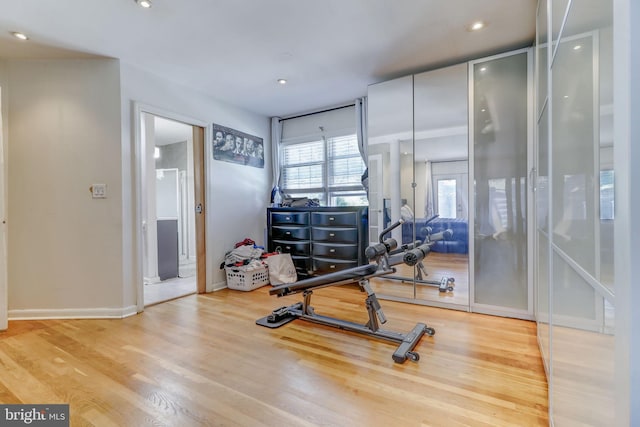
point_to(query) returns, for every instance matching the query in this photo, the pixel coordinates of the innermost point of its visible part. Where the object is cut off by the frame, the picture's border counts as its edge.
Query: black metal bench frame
(360, 275)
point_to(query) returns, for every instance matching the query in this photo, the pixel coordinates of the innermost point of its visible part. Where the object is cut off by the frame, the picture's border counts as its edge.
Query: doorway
(172, 195)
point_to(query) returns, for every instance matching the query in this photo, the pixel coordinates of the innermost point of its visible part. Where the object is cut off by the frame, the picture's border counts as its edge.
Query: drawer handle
(331, 218)
(332, 234)
(288, 218)
(288, 248)
(288, 232)
(332, 266)
(332, 250)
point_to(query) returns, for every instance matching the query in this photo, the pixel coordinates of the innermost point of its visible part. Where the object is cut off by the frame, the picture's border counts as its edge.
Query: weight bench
(360, 275)
(445, 284)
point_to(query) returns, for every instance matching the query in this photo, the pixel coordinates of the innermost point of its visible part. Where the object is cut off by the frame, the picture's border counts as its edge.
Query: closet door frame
(497, 310)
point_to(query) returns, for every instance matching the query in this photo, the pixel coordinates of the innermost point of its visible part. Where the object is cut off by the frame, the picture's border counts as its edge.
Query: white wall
(237, 196)
(64, 248)
(71, 127)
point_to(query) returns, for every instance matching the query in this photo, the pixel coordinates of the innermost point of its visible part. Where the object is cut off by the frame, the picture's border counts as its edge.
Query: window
(328, 169)
(447, 198)
(607, 199)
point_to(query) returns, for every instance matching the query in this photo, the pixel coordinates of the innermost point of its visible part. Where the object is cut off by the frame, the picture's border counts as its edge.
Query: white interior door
(4, 304)
(451, 195)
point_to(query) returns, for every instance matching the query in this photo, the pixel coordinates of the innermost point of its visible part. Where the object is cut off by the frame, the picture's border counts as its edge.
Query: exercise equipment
(414, 253)
(379, 253)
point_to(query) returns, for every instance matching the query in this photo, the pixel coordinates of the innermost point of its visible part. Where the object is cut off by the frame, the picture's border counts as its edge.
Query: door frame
(201, 132)
(4, 294)
(475, 307)
(379, 199)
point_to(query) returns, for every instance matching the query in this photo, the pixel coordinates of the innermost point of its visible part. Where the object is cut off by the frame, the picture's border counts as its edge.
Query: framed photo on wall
(230, 145)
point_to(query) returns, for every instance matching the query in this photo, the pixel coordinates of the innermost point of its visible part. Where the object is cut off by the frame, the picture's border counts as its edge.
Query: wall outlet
(99, 191)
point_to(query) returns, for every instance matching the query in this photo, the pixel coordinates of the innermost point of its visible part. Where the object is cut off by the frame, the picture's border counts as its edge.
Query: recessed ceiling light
(577, 47)
(144, 3)
(483, 69)
(282, 81)
(478, 25)
(19, 35)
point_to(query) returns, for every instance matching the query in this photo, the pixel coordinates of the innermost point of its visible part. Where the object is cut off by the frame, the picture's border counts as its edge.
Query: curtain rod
(317, 112)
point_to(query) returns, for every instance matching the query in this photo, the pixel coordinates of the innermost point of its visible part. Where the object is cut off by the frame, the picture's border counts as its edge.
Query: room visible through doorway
(169, 253)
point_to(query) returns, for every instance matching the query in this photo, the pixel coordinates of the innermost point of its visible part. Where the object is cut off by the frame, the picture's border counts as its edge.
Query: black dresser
(320, 240)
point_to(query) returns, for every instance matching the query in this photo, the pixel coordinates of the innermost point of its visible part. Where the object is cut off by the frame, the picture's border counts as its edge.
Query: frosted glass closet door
(499, 144)
(542, 187)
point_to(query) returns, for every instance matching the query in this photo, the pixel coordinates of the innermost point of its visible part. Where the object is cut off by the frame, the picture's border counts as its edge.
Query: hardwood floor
(437, 265)
(201, 360)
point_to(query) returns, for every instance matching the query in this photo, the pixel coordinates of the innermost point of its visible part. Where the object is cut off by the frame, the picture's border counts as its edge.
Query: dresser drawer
(293, 248)
(293, 218)
(338, 235)
(325, 265)
(335, 250)
(331, 219)
(290, 233)
(302, 265)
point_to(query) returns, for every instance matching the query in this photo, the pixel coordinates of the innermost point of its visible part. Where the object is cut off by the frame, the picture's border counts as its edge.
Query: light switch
(99, 191)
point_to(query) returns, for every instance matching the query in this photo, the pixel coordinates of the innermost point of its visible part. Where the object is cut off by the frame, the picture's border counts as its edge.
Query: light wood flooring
(437, 265)
(202, 360)
(184, 284)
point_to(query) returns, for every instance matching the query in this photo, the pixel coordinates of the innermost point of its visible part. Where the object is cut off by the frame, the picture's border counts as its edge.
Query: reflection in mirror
(432, 178)
(441, 170)
(390, 133)
(390, 159)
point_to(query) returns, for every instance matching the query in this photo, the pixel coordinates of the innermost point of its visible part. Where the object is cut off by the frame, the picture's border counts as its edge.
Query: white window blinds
(320, 158)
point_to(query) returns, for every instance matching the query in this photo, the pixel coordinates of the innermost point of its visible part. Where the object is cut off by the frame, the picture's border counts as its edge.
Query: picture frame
(233, 146)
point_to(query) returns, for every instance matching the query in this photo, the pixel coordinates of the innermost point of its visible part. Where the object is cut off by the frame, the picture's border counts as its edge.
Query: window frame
(327, 191)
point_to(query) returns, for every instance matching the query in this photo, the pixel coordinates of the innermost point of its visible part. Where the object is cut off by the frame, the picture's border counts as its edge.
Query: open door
(4, 303)
(199, 195)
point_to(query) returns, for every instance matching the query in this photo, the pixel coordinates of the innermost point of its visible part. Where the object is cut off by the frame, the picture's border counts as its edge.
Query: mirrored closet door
(418, 170)
(391, 174)
(441, 192)
(451, 153)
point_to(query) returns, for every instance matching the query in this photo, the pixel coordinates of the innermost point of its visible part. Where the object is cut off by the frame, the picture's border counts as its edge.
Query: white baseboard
(73, 313)
(217, 286)
(151, 280)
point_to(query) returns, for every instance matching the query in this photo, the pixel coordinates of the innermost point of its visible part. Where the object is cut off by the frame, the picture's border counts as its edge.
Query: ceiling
(329, 51)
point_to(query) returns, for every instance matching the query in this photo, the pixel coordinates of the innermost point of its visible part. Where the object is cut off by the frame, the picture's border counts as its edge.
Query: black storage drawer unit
(292, 247)
(291, 233)
(325, 265)
(338, 235)
(335, 250)
(297, 218)
(335, 219)
(322, 239)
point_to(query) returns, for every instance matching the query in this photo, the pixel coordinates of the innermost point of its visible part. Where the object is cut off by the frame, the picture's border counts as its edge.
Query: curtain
(276, 135)
(429, 203)
(361, 126)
